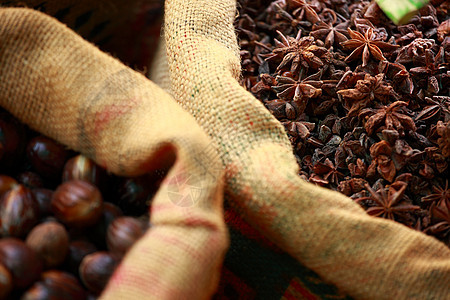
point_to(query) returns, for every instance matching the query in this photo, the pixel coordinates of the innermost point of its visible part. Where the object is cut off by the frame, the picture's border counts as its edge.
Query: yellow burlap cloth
(66, 88)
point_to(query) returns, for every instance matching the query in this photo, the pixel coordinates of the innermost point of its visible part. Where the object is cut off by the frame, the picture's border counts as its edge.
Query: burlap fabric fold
(367, 257)
(66, 88)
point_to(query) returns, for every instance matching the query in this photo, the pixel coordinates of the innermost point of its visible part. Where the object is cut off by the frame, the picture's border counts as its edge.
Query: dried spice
(299, 91)
(389, 202)
(298, 52)
(366, 45)
(365, 103)
(365, 91)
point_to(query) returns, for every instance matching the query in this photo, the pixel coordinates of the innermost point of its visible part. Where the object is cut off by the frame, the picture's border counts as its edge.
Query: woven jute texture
(223, 142)
(66, 88)
(369, 258)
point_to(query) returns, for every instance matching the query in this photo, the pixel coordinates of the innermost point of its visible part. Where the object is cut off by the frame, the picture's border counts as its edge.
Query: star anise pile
(365, 103)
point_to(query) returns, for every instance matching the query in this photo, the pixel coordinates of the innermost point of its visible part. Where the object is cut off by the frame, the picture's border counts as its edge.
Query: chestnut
(63, 284)
(38, 291)
(97, 233)
(19, 212)
(77, 203)
(6, 284)
(6, 183)
(44, 198)
(23, 263)
(82, 168)
(77, 251)
(122, 233)
(135, 194)
(50, 240)
(30, 179)
(96, 269)
(47, 157)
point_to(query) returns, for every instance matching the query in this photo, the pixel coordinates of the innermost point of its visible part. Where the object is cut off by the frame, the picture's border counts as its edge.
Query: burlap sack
(59, 84)
(66, 88)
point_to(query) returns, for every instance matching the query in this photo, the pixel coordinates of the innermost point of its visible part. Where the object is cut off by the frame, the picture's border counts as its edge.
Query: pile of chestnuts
(65, 223)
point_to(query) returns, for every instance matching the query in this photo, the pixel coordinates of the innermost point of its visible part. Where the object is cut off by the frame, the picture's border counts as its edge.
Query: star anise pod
(300, 129)
(366, 44)
(301, 90)
(397, 73)
(426, 20)
(439, 194)
(414, 52)
(389, 202)
(382, 162)
(408, 33)
(440, 213)
(366, 91)
(331, 34)
(264, 85)
(443, 130)
(362, 25)
(304, 10)
(438, 105)
(393, 117)
(294, 21)
(277, 107)
(443, 30)
(328, 171)
(429, 73)
(351, 186)
(298, 52)
(357, 169)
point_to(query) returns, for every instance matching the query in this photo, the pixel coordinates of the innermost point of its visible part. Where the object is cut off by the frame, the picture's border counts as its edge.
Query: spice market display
(365, 102)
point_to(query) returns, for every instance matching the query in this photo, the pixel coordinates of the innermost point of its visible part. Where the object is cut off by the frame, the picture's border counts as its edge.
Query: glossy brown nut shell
(47, 156)
(19, 212)
(96, 269)
(6, 183)
(64, 284)
(78, 249)
(97, 233)
(82, 168)
(44, 199)
(38, 291)
(6, 283)
(23, 263)
(122, 233)
(77, 203)
(50, 240)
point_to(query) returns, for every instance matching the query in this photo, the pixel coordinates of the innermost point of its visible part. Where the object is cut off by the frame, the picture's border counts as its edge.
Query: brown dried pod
(77, 203)
(23, 263)
(6, 284)
(122, 233)
(50, 240)
(19, 212)
(443, 30)
(96, 269)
